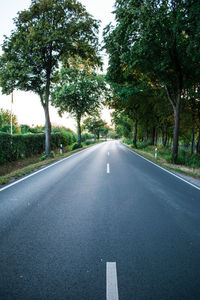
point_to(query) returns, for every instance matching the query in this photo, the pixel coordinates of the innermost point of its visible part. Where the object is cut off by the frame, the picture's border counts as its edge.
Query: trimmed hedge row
(18, 146)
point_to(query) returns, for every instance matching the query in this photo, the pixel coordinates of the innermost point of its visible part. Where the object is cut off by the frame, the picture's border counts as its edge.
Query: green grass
(186, 163)
(181, 171)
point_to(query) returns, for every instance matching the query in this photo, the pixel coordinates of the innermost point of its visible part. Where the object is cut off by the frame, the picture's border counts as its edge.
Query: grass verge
(162, 160)
(26, 166)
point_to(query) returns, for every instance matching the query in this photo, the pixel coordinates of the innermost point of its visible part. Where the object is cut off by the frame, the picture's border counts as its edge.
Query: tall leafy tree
(79, 91)
(46, 33)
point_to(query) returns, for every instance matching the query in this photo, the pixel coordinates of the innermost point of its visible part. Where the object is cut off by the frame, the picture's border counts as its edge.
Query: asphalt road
(102, 217)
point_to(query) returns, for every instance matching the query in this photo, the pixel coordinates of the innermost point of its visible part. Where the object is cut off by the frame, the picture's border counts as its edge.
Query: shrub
(14, 147)
(127, 141)
(88, 142)
(143, 145)
(76, 146)
(50, 155)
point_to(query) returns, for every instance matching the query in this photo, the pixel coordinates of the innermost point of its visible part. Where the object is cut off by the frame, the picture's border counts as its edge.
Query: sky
(26, 105)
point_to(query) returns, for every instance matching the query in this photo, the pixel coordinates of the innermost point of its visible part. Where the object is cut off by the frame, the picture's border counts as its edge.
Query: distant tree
(94, 124)
(79, 91)
(46, 33)
(5, 121)
(104, 131)
(25, 129)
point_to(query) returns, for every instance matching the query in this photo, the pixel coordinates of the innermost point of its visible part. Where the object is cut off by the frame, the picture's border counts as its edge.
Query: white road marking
(108, 168)
(58, 162)
(133, 152)
(108, 153)
(111, 281)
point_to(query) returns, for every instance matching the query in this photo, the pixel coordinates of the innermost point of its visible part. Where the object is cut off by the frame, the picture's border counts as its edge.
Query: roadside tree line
(154, 69)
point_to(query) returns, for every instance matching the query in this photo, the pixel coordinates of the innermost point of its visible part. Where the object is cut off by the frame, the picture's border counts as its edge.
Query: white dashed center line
(108, 168)
(111, 281)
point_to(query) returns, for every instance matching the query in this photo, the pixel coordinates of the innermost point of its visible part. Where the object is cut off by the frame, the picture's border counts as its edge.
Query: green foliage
(154, 45)
(5, 121)
(46, 34)
(76, 146)
(185, 158)
(18, 146)
(25, 129)
(78, 91)
(94, 124)
(46, 156)
(86, 136)
(127, 141)
(143, 145)
(88, 142)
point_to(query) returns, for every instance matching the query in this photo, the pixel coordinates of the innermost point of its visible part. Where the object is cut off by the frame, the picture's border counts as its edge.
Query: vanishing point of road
(102, 224)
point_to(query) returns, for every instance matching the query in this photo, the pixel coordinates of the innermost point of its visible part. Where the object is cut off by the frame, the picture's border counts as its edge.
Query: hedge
(14, 147)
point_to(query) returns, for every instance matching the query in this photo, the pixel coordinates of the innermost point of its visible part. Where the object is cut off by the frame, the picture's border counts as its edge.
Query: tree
(156, 38)
(94, 124)
(46, 33)
(123, 125)
(78, 91)
(104, 131)
(5, 121)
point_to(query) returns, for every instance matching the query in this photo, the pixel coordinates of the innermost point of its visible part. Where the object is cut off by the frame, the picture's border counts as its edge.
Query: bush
(88, 142)
(50, 155)
(86, 136)
(19, 146)
(127, 141)
(75, 146)
(143, 145)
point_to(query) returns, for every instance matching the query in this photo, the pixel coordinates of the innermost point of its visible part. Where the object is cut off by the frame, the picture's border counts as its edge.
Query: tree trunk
(156, 137)
(198, 143)
(147, 136)
(153, 136)
(163, 136)
(176, 108)
(79, 130)
(166, 137)
(45, 104)
(47, 129)
(95, 136)
(135, 134)
(193, 136)
(176, 130)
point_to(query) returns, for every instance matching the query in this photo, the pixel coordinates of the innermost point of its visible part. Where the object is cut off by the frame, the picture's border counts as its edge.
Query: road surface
(101, 224)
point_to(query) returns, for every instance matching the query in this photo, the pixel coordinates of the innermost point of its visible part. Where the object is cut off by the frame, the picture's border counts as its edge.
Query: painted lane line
(108, 168)
(43, 169)
(111, 281)
(108, 153)
(133, 152)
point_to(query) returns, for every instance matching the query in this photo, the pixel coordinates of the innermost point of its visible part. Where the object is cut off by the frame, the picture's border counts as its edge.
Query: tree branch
(172, 101)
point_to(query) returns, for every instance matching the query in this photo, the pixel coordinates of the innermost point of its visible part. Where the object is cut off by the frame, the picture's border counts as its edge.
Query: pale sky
(27, 105)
